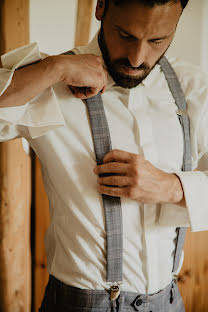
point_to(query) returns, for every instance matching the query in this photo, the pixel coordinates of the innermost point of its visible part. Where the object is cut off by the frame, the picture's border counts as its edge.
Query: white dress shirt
(142, 120)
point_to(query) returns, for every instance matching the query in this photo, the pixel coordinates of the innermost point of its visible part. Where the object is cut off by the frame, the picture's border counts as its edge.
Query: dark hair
(150, 3)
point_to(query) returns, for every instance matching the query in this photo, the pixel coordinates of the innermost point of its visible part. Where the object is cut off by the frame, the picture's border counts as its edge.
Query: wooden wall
(15, 184)
(194, 274)
(42, 220)
(193, 279)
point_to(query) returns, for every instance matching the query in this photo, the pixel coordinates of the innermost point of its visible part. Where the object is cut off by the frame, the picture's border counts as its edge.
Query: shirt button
(138, 302)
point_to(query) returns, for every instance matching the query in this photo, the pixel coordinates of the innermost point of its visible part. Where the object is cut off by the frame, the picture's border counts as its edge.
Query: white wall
(204, 37)
(52, 25)
(187, 42)
(95, 23)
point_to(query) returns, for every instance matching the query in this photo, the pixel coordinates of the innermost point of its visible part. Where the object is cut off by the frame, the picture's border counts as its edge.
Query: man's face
(134, 37)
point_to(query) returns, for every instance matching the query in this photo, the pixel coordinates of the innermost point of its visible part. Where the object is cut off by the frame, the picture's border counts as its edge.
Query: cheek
(117, 50)
(116, 47)
(156, 52)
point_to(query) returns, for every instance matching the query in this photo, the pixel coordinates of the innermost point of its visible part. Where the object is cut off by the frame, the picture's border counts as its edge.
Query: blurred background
(58, 26)
(53, 26)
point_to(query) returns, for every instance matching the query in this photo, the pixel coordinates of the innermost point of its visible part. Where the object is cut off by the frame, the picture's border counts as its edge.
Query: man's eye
(124, 35)
(157, 41)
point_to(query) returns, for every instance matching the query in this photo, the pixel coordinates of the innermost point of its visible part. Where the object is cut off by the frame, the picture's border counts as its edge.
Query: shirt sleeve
(195, 182)
(36, 117)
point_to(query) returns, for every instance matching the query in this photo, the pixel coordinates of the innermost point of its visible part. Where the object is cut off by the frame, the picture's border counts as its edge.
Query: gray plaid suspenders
(180, 101)
(112, 205)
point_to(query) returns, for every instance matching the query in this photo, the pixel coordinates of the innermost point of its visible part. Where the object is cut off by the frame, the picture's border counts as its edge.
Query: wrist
(176, 190)
(55, 68)
(61, 68)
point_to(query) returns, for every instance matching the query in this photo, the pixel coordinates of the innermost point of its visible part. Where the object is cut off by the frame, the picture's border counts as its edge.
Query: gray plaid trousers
(63, 298)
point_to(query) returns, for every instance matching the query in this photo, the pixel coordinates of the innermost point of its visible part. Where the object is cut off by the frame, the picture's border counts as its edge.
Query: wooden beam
(84, 18)
(15, 184)
(42, 220)
(193, 277)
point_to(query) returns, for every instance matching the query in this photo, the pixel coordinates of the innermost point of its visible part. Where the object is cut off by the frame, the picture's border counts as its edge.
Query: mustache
(126, 63)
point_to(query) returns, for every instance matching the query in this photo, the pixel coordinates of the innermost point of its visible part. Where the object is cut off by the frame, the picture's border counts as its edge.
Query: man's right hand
(83, 73)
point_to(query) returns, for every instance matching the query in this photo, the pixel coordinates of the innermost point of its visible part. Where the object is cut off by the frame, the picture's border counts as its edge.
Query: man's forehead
(135, 17)
(156, 34)
(148, 3)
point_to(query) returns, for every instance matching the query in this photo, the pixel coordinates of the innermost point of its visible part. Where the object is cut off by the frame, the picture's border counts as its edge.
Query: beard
(121, 79)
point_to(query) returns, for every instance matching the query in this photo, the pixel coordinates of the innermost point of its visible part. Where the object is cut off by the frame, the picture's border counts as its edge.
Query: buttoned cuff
(195, 215)
(42, 113)
(15, 59)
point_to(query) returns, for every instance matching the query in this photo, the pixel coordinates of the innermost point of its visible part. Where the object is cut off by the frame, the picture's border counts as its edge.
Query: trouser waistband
(76, 298)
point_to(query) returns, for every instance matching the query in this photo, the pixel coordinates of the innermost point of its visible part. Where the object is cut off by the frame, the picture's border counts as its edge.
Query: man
(146, 160)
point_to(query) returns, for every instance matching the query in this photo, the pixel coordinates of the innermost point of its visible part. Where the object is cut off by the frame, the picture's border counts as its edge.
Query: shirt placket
(139, 106)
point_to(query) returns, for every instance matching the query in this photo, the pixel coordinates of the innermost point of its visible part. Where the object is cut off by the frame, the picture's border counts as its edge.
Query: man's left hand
(136, 178)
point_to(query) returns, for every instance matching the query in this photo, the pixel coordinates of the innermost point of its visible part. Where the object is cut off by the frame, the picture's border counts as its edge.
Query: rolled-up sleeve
(36, 117)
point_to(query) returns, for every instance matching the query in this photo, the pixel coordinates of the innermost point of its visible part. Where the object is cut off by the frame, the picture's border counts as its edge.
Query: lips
(129, 71)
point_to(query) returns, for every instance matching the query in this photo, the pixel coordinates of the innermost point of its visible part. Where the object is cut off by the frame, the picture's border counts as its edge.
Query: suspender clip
(175, 277)
(114, 292)
(181, 112)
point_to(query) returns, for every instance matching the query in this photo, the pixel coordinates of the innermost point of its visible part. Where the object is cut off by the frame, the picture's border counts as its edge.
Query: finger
(77, 91)
(115, 180)
(113, 191)
(92, 91)
(72, 89)
(103, 89)
(113, 167)
(105, 82)
(81, 92)
(119, 156)
(84, 92)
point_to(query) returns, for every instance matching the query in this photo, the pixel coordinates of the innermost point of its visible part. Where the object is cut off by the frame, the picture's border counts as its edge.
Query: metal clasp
(115, 290)
(181, 112)
(175, 277)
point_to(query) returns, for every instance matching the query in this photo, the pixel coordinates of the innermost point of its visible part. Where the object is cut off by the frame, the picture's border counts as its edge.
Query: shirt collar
(93, 48)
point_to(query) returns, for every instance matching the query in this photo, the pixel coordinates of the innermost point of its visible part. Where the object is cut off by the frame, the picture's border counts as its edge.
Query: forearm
(30, 81)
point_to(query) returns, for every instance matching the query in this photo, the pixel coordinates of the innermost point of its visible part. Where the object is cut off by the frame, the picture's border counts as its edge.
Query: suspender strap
(112, 205)
(180, 101)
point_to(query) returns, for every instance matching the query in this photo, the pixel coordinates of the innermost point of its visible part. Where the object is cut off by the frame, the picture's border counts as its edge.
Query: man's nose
(137, 54)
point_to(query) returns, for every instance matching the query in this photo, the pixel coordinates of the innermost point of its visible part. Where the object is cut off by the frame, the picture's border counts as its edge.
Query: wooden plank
(42, 219)
(84, 17)
(194, 274)
(15, 184)
(193, 278)
(15, 262)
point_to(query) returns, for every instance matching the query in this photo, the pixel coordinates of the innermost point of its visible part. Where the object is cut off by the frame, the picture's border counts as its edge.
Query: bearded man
(117, 220)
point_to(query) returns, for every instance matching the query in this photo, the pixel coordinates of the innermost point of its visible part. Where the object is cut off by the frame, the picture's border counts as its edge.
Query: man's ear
(100, 9)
